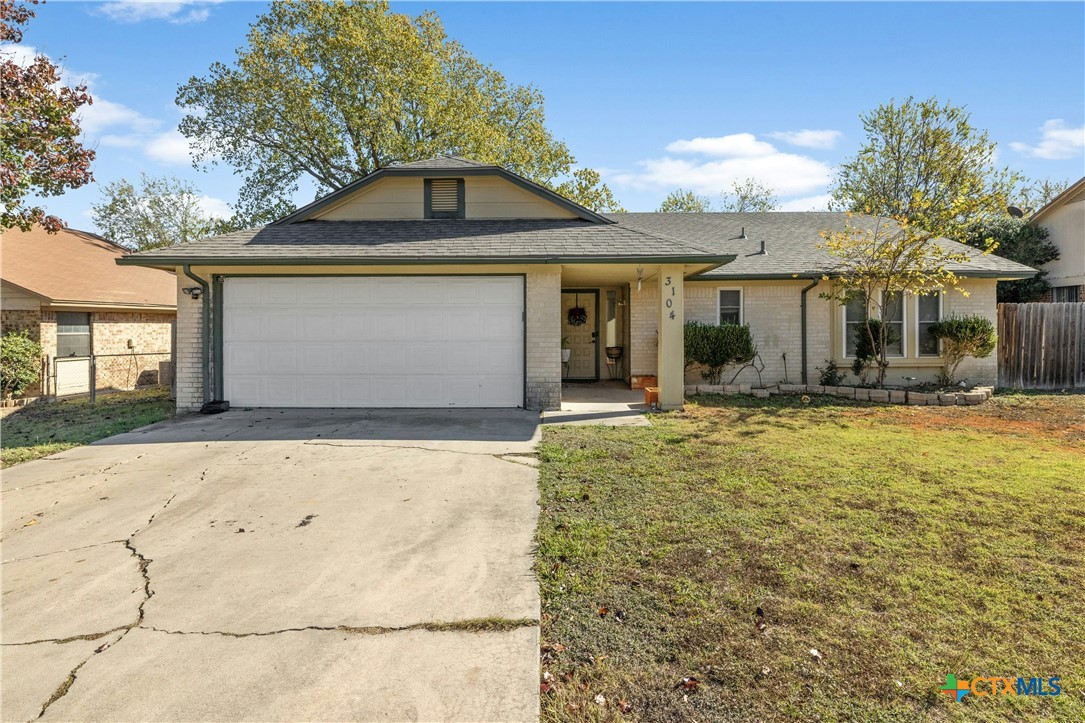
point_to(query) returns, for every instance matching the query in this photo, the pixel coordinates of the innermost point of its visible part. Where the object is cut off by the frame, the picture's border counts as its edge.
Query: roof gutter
(167, 261)
(205, 331)
(805, 289)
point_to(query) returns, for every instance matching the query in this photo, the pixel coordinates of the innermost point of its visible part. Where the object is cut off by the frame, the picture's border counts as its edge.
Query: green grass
(901, 543)
(42, 429)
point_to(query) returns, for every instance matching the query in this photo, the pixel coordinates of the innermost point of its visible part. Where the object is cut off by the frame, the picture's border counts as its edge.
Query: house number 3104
(670, 302)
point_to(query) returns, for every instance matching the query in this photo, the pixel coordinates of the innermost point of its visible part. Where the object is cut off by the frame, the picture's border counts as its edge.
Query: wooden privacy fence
(1041, 346)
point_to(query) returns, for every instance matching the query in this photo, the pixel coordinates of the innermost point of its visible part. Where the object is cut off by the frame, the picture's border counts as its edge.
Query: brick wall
(187, 354)
(643, 323)
(773, 311)
(981, 300)
(145, 363)
(543, 363)
(21, 320)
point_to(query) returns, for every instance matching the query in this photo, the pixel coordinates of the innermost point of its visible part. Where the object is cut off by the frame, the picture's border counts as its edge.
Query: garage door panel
(374, 341)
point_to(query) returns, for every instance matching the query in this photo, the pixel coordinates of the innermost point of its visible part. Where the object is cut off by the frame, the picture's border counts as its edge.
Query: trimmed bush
(869, 354)
(963, 336)
(20, 362)
(713, 348)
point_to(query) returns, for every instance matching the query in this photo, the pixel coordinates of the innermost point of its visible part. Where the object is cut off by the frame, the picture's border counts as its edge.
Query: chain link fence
(110, 372)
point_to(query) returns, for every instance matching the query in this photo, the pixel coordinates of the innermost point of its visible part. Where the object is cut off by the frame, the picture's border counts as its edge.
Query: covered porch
(623, 324)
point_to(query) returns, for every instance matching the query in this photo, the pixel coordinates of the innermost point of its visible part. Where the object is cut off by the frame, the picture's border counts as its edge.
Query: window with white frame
(855, 313)
(730, 306)
(928, 312)
(893, 313)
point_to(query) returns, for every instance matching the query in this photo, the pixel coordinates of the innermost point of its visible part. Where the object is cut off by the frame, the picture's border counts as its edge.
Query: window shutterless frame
(921, 324)
(73, 333)
(847, 331)
(740, 306)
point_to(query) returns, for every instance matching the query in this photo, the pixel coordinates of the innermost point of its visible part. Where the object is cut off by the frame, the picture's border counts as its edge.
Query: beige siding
(12, 299)
(391, 198)
(1066, 228)
(404, 198)
(493, 197)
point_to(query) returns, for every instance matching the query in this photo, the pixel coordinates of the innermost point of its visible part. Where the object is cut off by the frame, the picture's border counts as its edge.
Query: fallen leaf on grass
(624, 706)
(553, 648)
(566, 677)
(815, 654)
(602, 611)
(761, 626)
(545, 687)
(600, 699)
(688, 683)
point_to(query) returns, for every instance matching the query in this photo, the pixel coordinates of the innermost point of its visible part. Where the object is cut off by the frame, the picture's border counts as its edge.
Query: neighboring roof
(432, 241)
(74, 267)
(461, 167)
(1074, 193)
(791, 241)
(443, 163)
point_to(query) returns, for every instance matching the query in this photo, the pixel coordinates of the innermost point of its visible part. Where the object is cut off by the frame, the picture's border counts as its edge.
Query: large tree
(334, 91)
(159, 212)
(1018, 240)
(749, 195)
(40, 152)
(683, 201)
(923, 173)
(1032, 195)
(924, 161)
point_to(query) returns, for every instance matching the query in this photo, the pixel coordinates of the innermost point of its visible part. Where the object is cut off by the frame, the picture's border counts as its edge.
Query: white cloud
(807, 203)
(735, 145)
(735, 158)
(169, 147)
(1057, 141)
(174, 11)
(104, 114)
(807, 138)
(214, 207)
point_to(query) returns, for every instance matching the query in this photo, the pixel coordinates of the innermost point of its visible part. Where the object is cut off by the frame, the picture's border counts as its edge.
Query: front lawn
(727, 542)
(46, 428)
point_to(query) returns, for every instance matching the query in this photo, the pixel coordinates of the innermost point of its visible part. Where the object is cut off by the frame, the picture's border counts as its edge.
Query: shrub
(867, 352)
(20, 362)
(714, 348)
(831, 376)
(961, 337)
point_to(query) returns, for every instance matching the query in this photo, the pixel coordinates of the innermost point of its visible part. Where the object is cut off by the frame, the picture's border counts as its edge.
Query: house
(447, 283)
(1064, 219)
(67, 291)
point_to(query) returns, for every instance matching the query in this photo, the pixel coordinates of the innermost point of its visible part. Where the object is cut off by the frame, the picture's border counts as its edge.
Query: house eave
(173, 262)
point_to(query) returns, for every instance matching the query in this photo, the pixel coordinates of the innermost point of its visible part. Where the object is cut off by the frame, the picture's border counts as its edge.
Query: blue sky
(655, 96)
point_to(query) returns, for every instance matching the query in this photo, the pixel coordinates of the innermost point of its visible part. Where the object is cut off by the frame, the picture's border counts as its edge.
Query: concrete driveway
(277, 565)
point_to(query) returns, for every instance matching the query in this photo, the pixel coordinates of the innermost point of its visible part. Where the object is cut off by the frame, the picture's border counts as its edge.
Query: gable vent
(444, 198)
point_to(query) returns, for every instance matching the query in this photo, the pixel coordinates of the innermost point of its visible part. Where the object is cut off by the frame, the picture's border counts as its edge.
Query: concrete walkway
(277, 565)
(607, 403)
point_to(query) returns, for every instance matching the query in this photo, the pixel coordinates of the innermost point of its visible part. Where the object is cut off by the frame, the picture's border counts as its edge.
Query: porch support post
(670, 361)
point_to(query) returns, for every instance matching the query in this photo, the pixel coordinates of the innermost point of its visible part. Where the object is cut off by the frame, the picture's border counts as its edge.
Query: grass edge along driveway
(688, 570)
(45, 428)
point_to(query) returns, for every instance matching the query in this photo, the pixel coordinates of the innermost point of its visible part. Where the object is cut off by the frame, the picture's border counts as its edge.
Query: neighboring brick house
(1064, 219)
(67, 290)
(446, 283)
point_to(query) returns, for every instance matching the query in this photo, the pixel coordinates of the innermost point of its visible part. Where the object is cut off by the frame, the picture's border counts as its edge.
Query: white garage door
(429, 341)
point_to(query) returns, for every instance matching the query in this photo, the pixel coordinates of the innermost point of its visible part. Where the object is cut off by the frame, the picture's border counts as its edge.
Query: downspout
(205, 331)
(813, 283)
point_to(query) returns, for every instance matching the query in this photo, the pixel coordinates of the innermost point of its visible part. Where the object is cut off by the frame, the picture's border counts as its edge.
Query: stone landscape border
(978, 395)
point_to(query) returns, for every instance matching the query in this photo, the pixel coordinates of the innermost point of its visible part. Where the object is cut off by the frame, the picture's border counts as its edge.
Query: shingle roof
(443, 162)
(76, 267)
(530, 240)
(791, 241)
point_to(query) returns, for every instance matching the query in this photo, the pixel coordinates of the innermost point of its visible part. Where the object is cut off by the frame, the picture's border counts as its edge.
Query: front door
(582, 337)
